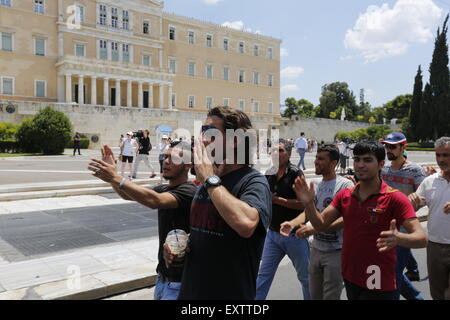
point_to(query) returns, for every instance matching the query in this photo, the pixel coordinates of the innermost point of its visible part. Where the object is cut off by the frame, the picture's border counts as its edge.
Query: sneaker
(412, 276)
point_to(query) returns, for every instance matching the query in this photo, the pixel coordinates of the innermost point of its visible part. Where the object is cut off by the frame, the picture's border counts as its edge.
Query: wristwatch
(212, 181)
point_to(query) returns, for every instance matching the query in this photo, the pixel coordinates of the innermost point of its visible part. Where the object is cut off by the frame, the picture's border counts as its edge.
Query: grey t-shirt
(325, 192)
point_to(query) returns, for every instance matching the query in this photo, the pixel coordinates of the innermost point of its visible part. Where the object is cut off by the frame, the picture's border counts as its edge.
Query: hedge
(84, 144)
(9, 146)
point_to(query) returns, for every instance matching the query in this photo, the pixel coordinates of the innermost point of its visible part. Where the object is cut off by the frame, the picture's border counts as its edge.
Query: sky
(370, 44)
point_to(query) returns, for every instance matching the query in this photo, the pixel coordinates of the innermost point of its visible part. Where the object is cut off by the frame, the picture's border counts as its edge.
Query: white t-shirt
(436, 191)
(128, 147)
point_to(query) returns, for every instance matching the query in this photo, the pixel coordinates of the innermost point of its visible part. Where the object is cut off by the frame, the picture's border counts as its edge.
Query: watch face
(214, 180)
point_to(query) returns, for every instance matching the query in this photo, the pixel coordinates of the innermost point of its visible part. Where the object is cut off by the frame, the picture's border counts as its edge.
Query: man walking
(172, 200)
(144, 148)
(230, 213)
(406, 177)
(325, 276)
(434, 192)
(301, 144)
(285, 207)
(372, 212)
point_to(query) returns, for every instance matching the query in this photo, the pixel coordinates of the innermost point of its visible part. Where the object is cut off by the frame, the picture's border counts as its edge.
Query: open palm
(304, 193)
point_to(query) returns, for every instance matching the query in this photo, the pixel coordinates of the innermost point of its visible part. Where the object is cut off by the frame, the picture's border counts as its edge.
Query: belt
(164, 278)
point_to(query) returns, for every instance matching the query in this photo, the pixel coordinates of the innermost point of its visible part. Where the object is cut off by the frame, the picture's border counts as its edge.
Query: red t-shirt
(363, 223)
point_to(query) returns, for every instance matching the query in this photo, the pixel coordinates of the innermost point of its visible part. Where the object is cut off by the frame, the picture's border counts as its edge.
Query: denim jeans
(165, 290)
(301, 152)
(404, 285)
(276, 247)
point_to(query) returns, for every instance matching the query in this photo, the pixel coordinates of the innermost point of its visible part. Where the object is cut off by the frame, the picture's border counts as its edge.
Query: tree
(306, 108)
(48, 132)
(7, 130)
(425, 130)
(291, 107)
(439, 82)
(399, 107)
(335, 95)
(414, 114)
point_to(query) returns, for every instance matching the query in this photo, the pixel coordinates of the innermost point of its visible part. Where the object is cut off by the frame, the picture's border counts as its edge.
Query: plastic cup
(177, 240)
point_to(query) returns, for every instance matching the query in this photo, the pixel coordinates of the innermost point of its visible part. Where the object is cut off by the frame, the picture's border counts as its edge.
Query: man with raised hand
(406, 177)
(172, 200)
(372, 213)
(325, 276)
(434, 192)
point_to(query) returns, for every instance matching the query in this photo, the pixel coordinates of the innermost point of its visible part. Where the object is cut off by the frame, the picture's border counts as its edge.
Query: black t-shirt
(76, 139)
(283, 189)
(144, 145)
(221, 264)
(170, 219)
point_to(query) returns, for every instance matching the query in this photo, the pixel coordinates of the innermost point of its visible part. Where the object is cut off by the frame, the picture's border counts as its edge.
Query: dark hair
(333, 151)
(302, 133)
(184, 146)
(287, 144)
(370, 147)
(236, 119)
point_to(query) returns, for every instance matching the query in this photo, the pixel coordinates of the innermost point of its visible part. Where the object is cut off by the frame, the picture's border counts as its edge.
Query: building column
(170, 96)
(161, 96)
(150, 95)
(118, 92)
(140, 95)
(129, 94)
(93, 90)
(80, 89)
(68, 88)
(106, 91)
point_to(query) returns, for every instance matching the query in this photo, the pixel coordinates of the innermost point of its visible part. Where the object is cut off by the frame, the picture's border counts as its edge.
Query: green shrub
(48, 131)
(84, 143)
(9, 146)
(7, 130)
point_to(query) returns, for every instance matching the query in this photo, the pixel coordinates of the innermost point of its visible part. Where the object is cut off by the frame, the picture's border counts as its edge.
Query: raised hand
(286, 228)
(430, 170)
(304, 193)
(417, 200)
(305, 231)
(388, 239)
(203, 165)
(108, 155)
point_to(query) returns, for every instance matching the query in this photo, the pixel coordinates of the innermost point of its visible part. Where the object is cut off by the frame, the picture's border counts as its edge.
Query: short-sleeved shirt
(325, 192)
(363, 224)
(128, 147)
(283, 189)
(221, 264)
(436, 191)
(406, 180)
(170, 219)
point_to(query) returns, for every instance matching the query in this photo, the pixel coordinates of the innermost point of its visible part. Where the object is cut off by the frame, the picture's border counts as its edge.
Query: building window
(209, 41)
(256, 50)
(125, 20)
(114, 51)
(225, 44)
(40, 88)
(6, 3)
(191, 36)
(80, 50)
(79, 13)
(114, 17)
(7, 85)
(241, 47)
(242, 105)
(103, 50)
(256, 78)
(39, 6)
(172, 66)
(209, 71)
(146, 60)
(270, 53)
(125, 53)
(103, 14)
(6, 41)
(209, 102)
(256, 106)
(270, 107)
(226, 73)
(241, 76)
(39, 47)
(191, 102)
(191, 69)
(226, 102)
(171, 33)
(146, 27)
(270, 80)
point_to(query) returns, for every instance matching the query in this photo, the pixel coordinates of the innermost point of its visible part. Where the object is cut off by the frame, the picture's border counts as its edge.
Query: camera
(138, 134)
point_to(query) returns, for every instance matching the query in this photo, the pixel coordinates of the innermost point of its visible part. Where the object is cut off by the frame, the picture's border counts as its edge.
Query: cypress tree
(439, 82)
(425, 128)
(414, 114)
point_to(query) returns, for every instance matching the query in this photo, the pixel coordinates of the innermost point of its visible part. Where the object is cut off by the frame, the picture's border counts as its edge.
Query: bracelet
(122, 183)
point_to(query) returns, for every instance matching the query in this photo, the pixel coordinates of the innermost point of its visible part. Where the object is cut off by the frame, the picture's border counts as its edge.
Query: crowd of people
(242, 223)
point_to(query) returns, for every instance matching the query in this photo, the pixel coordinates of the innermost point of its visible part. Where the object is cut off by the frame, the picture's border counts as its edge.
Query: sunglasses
(206, 128)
